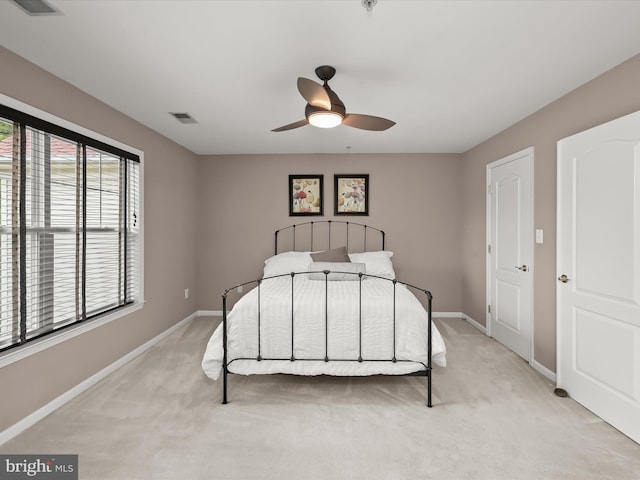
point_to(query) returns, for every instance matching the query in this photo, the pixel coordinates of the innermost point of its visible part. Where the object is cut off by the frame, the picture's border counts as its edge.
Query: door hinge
(489, 248)
(488, 308)
(490, 189)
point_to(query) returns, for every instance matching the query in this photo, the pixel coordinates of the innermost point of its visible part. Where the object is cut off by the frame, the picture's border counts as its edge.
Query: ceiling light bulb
(325, 119)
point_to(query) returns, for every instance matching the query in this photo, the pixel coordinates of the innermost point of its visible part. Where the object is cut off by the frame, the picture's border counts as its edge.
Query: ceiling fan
(325, 110)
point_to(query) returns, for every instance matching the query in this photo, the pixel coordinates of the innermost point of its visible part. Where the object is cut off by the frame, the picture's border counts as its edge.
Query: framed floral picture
(305, 195)
(351, 194)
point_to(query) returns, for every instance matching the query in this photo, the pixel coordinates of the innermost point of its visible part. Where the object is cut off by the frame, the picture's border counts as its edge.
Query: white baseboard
(460, 315)
(447, 315)
(56, 403)
(209, 313)
(543, 370)
(479, 326)
(535, 365)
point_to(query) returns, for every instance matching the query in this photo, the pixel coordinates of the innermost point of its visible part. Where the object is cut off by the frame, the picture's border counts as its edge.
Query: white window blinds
(69, 231)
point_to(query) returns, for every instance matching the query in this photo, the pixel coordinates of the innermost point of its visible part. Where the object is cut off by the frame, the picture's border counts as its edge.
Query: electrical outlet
(186, 293)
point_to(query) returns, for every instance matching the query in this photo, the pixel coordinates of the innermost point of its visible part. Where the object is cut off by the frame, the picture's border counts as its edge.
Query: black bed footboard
(424, 370)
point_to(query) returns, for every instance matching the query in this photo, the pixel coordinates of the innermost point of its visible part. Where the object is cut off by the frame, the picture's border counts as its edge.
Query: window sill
(20, 353)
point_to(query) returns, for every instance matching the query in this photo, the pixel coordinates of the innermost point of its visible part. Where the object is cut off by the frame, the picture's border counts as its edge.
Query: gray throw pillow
(334, 255)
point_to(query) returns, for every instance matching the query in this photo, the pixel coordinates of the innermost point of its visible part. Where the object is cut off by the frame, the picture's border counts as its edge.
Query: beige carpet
(494, 418)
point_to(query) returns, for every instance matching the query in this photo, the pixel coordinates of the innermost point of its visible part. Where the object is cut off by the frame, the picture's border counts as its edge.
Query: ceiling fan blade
(299, 123)
(314, 93)
(367, 122)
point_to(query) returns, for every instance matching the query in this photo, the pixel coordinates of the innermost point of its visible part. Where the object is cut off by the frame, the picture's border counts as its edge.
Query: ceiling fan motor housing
(325, 72)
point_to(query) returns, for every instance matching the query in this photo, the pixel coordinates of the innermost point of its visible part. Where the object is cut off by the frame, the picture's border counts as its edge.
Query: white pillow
(377, 263)
(287, 262)
(340, 271)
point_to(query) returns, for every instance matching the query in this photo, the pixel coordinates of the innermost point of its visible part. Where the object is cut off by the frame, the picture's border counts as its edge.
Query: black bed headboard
(327, 234)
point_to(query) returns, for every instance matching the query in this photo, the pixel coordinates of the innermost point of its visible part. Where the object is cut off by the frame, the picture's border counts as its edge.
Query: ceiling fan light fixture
(325, 119)
(325, 109)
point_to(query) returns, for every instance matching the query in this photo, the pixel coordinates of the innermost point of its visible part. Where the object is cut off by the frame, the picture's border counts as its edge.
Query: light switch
(539, 236)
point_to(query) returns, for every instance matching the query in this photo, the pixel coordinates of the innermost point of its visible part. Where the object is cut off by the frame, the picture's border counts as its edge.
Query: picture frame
(306, 195)
(351, 194)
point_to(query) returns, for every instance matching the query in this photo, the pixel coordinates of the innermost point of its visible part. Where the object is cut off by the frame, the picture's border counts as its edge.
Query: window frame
(56, 125)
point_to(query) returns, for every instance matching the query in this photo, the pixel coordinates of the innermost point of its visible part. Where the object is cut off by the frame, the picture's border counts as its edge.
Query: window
(70, 233)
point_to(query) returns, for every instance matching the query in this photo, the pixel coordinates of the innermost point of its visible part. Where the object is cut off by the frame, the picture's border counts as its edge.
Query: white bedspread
(309, 337)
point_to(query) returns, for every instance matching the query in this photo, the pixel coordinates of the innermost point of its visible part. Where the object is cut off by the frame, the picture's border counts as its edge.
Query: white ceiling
(450, 73)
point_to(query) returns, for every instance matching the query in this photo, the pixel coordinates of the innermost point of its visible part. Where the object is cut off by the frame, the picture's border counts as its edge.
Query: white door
(510, 251)
(598, 288)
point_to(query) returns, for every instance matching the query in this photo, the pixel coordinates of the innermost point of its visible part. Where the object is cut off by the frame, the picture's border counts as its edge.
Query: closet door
(510, 251)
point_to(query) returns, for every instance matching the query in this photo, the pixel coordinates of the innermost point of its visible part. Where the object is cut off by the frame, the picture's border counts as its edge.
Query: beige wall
(605, 98)
(170, 240)
(415, 199)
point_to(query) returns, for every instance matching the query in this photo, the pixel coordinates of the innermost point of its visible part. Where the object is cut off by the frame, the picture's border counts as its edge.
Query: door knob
(563, 278)
(523, 268)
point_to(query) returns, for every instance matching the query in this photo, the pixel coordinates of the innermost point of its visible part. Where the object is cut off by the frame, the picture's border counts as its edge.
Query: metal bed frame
(425, 371)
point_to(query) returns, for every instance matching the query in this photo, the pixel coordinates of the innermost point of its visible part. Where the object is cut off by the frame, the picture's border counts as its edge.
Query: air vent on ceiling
(36, 7)
(183, 117)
